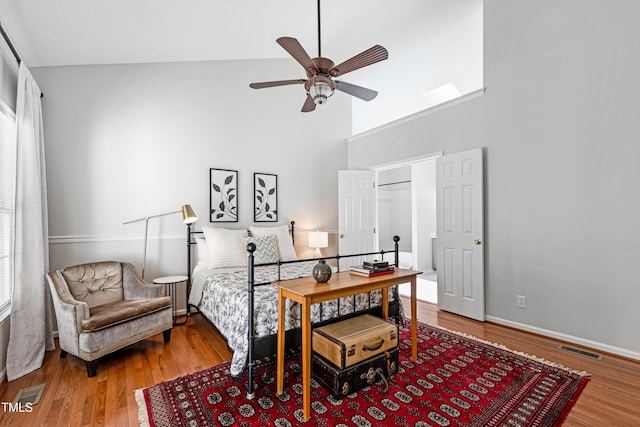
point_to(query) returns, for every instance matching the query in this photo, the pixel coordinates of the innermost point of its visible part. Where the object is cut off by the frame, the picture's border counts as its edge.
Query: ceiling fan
(320, 83)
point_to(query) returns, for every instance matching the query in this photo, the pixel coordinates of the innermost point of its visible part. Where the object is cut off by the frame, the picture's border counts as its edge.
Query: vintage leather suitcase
(351, 341)
(341, 382)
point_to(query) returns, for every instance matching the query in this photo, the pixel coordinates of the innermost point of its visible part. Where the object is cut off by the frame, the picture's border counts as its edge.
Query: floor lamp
(188, 216)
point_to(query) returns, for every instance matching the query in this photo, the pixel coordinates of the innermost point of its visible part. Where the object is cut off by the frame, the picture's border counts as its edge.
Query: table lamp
(318, 239)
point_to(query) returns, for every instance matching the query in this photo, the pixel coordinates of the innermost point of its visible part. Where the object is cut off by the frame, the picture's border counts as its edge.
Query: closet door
(460, 224)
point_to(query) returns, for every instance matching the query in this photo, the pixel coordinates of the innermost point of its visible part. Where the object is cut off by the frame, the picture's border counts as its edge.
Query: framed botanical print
(265, 197)
(223, 195)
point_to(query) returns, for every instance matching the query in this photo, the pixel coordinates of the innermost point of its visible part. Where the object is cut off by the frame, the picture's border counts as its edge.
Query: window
(7, 204)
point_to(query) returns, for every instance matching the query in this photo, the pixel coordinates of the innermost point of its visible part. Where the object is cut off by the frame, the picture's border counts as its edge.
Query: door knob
(341, 236)
(477, 242)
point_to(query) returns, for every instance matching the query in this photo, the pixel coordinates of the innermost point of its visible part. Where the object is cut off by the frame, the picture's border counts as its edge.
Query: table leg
(385, 303)
(306, 359)
(414, 321)
(170, 290)
(281, 339)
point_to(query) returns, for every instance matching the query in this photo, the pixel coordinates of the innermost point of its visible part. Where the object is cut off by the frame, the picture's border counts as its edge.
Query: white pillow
(285, 245)
(202, 252)
(266, 248)
(225, 247)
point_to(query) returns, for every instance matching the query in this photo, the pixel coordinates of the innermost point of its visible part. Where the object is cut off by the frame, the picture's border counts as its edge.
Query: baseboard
(3, 375)
(568, 338)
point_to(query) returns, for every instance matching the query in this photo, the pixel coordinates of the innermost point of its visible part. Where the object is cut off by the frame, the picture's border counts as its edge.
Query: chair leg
(63, 354)
(92, 367)
(167, 335)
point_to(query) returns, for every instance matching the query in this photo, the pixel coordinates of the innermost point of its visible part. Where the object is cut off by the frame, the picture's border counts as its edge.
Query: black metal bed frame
(265, 346)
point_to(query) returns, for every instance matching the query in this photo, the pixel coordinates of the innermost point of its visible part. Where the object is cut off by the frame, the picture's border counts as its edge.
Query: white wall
(430, 43)
(558, 127)
(127, 141)
(394, 208)
(423, 176)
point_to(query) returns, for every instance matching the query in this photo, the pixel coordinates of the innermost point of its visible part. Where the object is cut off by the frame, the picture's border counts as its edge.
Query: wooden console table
(306, 291)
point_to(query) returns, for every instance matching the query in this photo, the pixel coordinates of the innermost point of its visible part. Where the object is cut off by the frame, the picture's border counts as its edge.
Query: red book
(378, 273)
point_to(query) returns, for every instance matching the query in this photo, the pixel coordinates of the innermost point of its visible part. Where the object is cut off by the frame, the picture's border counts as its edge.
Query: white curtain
(31, 310)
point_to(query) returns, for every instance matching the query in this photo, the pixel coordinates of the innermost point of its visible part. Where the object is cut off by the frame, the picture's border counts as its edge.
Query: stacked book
(372, 268)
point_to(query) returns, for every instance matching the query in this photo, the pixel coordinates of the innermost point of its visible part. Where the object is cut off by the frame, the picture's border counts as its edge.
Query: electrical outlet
(521, 301)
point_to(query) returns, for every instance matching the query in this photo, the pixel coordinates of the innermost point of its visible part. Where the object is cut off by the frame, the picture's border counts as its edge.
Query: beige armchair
(105, 306)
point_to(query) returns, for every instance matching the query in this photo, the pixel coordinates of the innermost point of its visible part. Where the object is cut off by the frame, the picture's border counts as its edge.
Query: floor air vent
(585, 353)
(30, 395)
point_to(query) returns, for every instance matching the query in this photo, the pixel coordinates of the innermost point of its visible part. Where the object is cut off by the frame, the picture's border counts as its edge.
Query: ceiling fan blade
(263, 85)
(368, 57)
(355, 90)
(296, 50)
(309, 105)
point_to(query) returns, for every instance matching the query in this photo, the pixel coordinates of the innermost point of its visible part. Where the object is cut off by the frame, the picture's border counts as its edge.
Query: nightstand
(170, 283)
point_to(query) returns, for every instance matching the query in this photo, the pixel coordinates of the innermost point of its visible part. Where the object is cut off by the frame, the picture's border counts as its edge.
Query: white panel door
(460, 252)
(356, 203)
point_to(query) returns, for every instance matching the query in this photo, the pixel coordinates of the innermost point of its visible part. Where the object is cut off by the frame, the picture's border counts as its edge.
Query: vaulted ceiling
(421, 35)
(71, 32)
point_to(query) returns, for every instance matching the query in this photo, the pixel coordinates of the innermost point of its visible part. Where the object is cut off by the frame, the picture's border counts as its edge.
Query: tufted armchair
(105, 306)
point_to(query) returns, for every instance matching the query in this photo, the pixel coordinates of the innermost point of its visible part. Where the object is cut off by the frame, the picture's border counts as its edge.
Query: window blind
(7, 206)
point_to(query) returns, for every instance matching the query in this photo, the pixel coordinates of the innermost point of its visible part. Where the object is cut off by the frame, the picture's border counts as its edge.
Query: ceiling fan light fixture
(321, 71)
(320, 89)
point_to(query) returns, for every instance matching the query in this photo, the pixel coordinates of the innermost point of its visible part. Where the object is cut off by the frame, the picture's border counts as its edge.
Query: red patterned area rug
(457, 381)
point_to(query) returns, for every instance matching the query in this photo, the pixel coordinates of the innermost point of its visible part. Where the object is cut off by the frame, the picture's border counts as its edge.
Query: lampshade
(188, 216)
(318, 239)
(321, 89)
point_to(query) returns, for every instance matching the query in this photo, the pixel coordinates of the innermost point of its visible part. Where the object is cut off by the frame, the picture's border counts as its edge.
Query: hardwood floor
(612, 397)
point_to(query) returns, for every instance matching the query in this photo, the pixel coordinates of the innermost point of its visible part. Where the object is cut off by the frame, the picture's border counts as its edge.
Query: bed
(231, 283)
